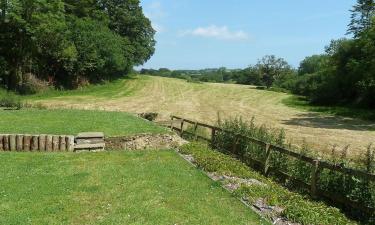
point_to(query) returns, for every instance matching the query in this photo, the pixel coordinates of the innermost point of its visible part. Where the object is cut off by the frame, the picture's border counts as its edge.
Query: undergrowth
(296, 207)
(354, 188)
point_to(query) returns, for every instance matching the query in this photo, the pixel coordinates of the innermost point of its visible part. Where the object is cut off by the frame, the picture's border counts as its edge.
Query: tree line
(343, 74)
(67, 43)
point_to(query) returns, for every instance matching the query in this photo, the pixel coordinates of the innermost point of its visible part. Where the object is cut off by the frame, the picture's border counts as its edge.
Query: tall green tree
(272, 68)
(361, 18)
(61, 40)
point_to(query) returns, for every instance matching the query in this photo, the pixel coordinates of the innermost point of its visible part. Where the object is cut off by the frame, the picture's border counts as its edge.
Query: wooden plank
(42, 142)
(19, 144)
(6, 142)
(49, 143)
(26, 142)
(62, 146)
(348, 171)
(12, 142)
(90, 146)
(89, 141)
(55, 143)
(69, 143)
(34, 145)
(87, 135)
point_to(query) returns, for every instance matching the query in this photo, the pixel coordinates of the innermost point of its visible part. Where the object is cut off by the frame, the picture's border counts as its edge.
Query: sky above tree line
(196, 34)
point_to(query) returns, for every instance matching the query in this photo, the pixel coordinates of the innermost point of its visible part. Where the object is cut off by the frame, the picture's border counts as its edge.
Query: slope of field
(205, 101)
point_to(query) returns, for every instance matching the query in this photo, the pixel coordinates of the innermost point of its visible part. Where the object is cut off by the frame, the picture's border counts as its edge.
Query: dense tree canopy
(67, 41)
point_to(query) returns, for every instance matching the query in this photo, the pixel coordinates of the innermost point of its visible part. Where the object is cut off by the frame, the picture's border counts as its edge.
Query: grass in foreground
(34, 121)
(297, 208)
(148, 187)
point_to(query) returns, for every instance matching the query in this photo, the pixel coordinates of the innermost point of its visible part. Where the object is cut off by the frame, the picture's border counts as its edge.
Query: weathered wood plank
(12, 142)
(6, 142)
(70, 143)
(19, 144)
(87, 135)
(34, 145)
(55, 143)
(62, 145)
(90, 146)
(42, 142)
(49, 143)
(26, 142)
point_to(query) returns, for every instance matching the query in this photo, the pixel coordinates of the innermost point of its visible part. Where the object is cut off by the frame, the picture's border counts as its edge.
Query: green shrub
(352, 187)
(295, 207)
(10, 100)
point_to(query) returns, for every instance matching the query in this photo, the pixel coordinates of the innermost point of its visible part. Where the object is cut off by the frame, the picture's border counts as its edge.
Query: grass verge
(296, 207)
(148, 187)
(35, 121)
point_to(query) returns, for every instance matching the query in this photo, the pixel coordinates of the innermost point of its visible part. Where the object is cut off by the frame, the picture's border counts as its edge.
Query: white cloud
(213, 31)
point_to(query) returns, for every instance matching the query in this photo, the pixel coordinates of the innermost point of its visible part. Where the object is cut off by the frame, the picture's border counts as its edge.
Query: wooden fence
(316, 164)
(25, 142)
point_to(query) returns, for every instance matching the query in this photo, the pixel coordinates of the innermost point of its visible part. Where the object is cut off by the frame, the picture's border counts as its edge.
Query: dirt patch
(144, 141)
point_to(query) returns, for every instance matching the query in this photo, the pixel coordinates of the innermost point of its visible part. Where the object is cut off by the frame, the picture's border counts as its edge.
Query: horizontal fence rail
(316, 164)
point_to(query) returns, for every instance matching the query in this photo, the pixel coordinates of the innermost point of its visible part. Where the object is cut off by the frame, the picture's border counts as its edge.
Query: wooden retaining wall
(34, 143)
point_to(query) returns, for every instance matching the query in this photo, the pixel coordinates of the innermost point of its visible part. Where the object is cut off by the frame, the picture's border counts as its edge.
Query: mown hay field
(205, 101)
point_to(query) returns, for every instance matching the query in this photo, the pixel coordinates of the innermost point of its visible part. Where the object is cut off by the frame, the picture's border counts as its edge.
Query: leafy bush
(295, 207)
(10, 101)
(352, 187)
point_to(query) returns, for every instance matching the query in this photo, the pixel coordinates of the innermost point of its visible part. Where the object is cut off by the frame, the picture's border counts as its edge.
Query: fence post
(235, 143)
(171, 126)
(314, 178)
(213, 134)
(195, 131)
(34, 145)
(1, 143)
(267, 160)
(182, 127)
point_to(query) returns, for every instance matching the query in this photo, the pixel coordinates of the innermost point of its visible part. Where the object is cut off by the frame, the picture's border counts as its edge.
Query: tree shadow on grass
(318, 120)
(354, 112)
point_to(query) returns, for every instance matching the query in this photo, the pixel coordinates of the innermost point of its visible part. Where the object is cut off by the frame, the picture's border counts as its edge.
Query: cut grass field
(72, 122)
(148, 187)
(204, 101)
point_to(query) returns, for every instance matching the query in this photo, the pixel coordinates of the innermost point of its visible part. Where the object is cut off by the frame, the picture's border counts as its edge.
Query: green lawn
(148, 187)
(34, 121)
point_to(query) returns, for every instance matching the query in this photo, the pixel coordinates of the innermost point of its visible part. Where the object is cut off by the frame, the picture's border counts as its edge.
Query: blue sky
(194, 34)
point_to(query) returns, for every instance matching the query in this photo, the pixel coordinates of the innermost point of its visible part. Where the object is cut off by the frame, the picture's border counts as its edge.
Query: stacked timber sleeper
(25, 142)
